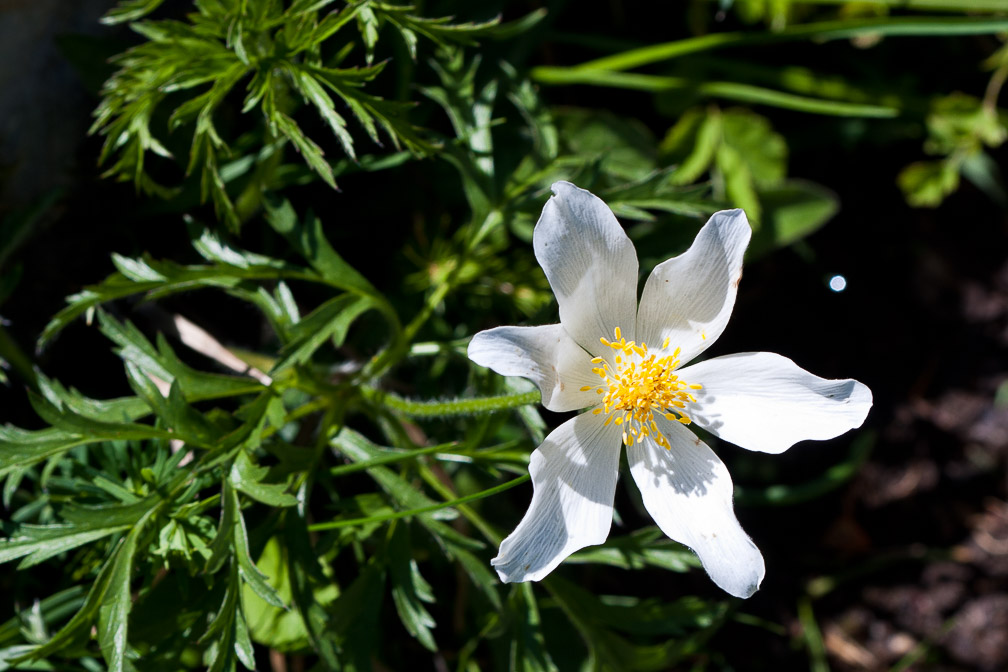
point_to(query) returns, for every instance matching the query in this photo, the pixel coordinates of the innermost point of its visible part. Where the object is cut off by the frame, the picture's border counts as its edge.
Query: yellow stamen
(638, 386)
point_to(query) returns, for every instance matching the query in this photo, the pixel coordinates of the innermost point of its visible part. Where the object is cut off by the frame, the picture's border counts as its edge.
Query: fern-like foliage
(180, 83)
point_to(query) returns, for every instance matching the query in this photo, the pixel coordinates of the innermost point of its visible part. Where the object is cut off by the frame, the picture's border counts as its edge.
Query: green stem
(826, 30)
(484, 527)
(334, 524)
(400, 348)
(735, 91)
(388, 459)
(436, 409)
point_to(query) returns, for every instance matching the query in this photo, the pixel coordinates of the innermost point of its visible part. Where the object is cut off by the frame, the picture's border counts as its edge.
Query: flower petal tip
(734, 223)
(561, 186)
(510, 573)
(746, 578)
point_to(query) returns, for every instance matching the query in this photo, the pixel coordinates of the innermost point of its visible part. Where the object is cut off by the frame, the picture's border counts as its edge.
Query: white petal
(546, 355)
(590, 264)
(688, 299)
(763, 401)
(688, 491)
(574, 479)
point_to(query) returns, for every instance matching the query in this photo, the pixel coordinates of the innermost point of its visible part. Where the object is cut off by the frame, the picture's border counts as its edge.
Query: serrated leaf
(310, 151)
(124, 409)
(247, 478)
(594, 618)
(41, 542)
(246, 567)
(211, 247)
(331, 320)
(90, 429)
(112, 576)
(20, 448)
(113, 614)
(136, 269)
(409, 589)
(223, 630)
(316, 95)
(223, 543)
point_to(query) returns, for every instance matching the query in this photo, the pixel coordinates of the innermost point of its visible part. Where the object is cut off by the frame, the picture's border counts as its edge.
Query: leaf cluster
(187, 77)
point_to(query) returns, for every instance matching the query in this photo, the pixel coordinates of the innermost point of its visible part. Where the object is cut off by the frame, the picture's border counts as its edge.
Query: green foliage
(284, 57)
(960, 129)
(329, 488)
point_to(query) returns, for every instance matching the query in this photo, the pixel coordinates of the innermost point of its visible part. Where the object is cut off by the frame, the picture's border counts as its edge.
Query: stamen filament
(639, 385)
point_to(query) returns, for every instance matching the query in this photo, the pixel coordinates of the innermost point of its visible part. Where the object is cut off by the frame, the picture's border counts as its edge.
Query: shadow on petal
(688, 492)
(574, 478)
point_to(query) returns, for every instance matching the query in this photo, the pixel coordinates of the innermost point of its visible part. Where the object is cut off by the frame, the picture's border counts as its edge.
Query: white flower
(624, 362)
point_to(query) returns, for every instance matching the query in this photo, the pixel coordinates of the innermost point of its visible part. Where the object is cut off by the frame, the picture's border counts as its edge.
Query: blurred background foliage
(257, 442)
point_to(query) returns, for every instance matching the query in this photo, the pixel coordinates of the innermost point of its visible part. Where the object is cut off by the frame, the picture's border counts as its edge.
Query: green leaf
(230, 640)
(249, 572)
(331, 320)
(247, 478)
(739, 185)
(792, 210)
(643, 548)
(594, 619)
(734, 91)
(925, 184)
(313, 92)
(50, 609)
(112, 633)
(311, 591)
(409, 589)
(358, 448)
(692, 142)
(125, 409)
(354, 617)
(180, 279)
(623, 147)
(528, 647)
(763, 151)
(308, 239)
(280, 629)
(130, 10)
(41, 542)
(88, 428)
(310, 151)
(223, 543)
(113, 614)
(20, 448)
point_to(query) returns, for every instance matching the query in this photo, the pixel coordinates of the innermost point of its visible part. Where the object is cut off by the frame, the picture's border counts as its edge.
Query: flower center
(637, 386)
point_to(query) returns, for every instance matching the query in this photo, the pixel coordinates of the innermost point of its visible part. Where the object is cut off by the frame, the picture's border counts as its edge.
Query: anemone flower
(626, 363)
